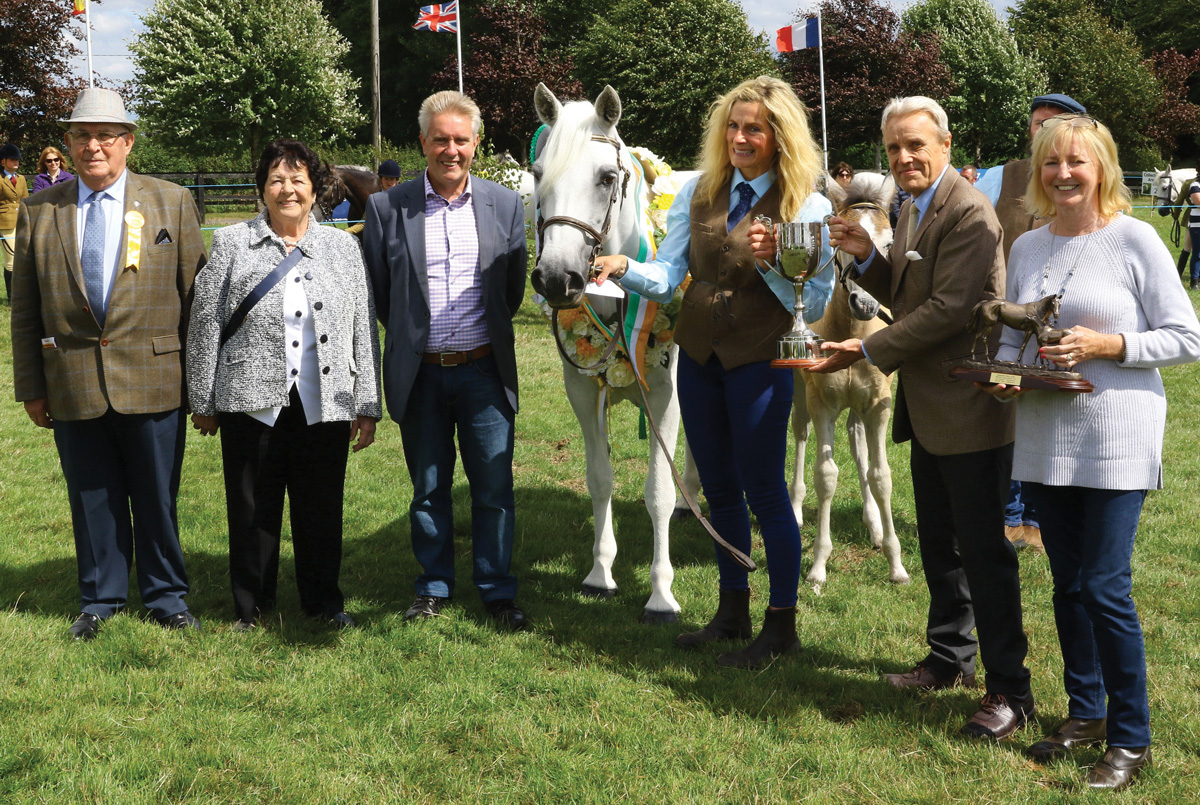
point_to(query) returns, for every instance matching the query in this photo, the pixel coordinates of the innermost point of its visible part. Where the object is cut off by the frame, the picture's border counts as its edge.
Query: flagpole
(87, 27)
(821, 60)
(458, 40)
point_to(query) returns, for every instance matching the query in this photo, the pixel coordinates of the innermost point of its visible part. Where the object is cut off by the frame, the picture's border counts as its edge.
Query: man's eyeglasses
(1074, 121)
(104, 138)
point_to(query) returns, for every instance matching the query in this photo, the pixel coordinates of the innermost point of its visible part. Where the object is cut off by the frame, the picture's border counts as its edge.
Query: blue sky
(116, 21)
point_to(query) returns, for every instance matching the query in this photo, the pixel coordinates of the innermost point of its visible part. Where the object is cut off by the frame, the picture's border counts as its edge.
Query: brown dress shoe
(1071, 733)
(999, 716)
(1118, 767)
(921, 677)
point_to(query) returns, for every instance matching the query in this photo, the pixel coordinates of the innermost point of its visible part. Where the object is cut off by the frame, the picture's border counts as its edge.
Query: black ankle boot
(732, 621)
(778, 636)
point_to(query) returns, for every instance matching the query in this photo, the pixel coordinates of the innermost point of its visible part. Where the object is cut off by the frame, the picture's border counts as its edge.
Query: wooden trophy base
(1027, 377)
(795, 363)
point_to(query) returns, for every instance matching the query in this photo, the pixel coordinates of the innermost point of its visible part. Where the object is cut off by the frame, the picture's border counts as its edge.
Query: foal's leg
(879, 476)
(800, 432)
(825, 474)
(857, 433)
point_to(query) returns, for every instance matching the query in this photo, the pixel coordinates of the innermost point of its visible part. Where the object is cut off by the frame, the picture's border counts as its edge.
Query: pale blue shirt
(989, 184)
(659, 279)
(112, 204)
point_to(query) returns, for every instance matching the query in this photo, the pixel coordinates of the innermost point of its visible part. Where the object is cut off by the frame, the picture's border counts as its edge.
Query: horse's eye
(607, 179)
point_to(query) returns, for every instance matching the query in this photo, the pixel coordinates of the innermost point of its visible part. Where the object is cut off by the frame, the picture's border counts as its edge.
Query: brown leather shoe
(1033, 539)
(921, 677)
(1071, 733)
(999, 717)
(1118, 767)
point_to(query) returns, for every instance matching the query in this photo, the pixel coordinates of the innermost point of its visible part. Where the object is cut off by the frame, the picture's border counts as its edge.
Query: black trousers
(308, 462)
(970, 568)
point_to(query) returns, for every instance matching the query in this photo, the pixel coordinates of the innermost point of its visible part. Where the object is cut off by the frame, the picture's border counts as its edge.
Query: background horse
(867, 392)
(585, 173)
(351, 183)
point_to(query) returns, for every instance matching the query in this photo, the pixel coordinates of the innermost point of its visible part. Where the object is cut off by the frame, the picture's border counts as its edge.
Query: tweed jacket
(10, 197)
(931, 300)
(1010, 206)
(133, 365)
(249, 373)
(394, 246)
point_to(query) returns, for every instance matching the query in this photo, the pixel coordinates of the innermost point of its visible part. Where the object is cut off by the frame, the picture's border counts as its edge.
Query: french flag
(798, 37)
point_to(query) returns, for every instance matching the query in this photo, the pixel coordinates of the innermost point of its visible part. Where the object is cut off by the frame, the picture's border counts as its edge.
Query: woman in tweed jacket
(289, 389)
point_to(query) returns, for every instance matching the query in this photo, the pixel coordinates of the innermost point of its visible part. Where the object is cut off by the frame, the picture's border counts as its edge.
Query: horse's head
(1164, 191)
(330, 194)
(864, 203)
(581, 173)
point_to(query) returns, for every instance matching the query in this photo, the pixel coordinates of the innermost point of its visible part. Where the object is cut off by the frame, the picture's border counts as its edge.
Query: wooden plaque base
(795, 363)
(1027, 377)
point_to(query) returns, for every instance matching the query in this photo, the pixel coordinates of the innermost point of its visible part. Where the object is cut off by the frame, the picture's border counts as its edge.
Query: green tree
(1157, 24)
(224, 78)
(669, 61)
(36, 86)
(995, 82)
(1098, 65)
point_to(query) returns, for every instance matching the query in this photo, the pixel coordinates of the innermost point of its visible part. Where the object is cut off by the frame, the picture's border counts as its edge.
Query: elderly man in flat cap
(12, 189)
(1004, 185)
(102, 287)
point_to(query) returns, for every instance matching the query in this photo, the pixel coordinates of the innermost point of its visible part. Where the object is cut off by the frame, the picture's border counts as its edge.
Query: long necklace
(1046, 275)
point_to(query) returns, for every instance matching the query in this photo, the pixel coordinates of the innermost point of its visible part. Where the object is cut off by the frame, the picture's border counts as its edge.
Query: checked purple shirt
(456, 322)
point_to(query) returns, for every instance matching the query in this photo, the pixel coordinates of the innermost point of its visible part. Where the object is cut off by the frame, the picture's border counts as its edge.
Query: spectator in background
(970, 173)
(843, 174)
(1193, 223)
(13, 188)
(52, 169)
(389, 173)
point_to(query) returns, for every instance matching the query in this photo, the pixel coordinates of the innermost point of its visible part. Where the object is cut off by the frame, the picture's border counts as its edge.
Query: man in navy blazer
(447, 258)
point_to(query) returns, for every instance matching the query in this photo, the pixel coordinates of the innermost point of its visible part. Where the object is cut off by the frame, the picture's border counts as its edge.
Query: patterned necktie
(91, 259)
(746, 192)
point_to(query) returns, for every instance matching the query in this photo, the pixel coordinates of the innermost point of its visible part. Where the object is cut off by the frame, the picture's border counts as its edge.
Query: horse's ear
(608, 106)
(546, 105)
(835, 193)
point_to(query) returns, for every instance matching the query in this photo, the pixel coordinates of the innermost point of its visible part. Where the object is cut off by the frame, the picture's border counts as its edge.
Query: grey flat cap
(96, 105)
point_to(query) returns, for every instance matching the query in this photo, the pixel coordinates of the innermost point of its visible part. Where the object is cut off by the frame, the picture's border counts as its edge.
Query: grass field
(587, 706)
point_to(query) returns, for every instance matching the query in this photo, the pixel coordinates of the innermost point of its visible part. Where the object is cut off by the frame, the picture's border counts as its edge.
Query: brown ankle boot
(732, 621)
(778, 636)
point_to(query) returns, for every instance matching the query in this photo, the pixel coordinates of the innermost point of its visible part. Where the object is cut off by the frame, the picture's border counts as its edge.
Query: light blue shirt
(989, 184)
(112, 204)
(659, 279)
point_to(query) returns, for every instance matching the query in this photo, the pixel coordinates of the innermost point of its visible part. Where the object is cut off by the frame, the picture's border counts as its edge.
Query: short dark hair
(294, 154)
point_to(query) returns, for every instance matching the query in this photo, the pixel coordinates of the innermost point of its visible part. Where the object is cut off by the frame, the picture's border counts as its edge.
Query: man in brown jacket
(947, 257)
(102, 285)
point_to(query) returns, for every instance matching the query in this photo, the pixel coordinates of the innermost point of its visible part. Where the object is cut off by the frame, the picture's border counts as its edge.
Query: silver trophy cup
(797, 259)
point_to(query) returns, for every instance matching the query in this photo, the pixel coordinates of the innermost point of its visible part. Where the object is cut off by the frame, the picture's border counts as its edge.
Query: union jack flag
(442, 18)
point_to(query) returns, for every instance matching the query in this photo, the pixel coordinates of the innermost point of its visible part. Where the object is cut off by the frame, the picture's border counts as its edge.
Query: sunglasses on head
(1074, 121)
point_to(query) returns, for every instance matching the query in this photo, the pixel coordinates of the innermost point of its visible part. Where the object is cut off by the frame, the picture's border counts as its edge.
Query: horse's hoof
(681, 514)
(653, 618)
(900, 580)
(598, 592)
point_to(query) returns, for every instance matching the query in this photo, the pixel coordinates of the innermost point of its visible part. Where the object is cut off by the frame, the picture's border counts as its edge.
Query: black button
(308, 275)
(295, 343)
(297, 279)
(324, 338)
(298, 314)
(317, 306)
(716, 342)
(325, 371)
(295, 372)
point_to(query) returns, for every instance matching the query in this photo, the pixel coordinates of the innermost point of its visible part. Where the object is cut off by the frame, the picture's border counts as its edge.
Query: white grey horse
(590, 193)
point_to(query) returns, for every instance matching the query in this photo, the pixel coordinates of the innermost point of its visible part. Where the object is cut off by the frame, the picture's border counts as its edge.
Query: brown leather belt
(456, 358)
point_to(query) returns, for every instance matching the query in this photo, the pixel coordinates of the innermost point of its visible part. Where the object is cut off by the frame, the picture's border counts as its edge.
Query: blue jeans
(1089, 535)
(737, 422)
(1019, 510)
(469, 399)
(1195, 267)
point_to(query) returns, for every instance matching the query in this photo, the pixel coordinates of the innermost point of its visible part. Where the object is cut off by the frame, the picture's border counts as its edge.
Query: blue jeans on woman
(1089, 536)
(737, 426)
(1195, 267)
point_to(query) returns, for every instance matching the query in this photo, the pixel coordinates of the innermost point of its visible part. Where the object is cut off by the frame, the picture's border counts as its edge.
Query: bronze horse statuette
(1033, 318)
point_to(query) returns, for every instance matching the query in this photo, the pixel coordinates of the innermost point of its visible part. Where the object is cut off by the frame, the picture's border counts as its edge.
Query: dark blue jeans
(1018, 510)
(1195, 268)
(1089, 535)
(737, 427)
(468, 399)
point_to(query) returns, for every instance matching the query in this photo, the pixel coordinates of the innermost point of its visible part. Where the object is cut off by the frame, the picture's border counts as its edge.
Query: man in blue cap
(1004, 185)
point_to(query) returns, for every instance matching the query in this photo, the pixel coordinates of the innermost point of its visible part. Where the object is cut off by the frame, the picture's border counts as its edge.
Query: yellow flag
(80, 8)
